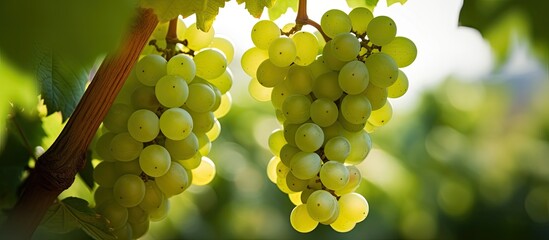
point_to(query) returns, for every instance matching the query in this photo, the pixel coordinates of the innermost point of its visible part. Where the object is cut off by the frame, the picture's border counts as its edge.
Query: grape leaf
(280, 7)
(391, 2)
(255, 7)
(205, 10)
(62, 82)
(72, 213)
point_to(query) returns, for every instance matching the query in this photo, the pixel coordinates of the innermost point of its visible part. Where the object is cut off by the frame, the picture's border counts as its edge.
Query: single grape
(400, 87)
(296, 108)
(150, 68)
(171, 91)
(327, 86)
(269, 74)
(198, 39)
(337, 149)
(305, 165)
(381, 30)
(182, 149)
(282, 52)
(334, 22)
(202, 122)
(225, 105)
(144, 97)
(125, 148)
(354, 207)
(116, 119)
(204, 173)
(258, 91)
(309, 137)
(360, 18)
(324, 112)
(287, 152)
(276, 141)
(103, 147)
(223, 82)
(361, 144)
(224, 45)
(353, 78)
(345, 46)
(382, 68)
(306, 45)
(376, 95)
(143, 125)
(356, 108)
(381, 116)
(402, 50)
(251, 59)
(112, 211)
(300, 80)
(182, 65)
(334, 175)
(300, 219)
(321, 205)
(264, 33)
(155, 160)
(176, 123)
(129, 190)
(201, 98)
(105, 174)
(175, 181)
(210, 63)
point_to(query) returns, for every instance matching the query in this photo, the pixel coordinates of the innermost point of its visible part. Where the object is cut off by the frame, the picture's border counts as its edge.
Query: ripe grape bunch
(328, 96)
(156, 137)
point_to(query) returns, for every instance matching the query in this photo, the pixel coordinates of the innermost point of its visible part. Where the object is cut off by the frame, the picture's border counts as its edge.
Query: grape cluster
(328, 96)
(155, 138)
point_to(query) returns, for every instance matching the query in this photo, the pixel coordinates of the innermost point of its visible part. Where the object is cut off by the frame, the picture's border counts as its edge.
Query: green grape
(251, 59)
(305, 165)
(376, 95)
(225, 106)
(150, 68)
(287, 152)
(306, 193)
(171, 91)
(355, 177)
(103, 146)
(402, 50)
(353, 78)
(182, 65)
(355, 109)
(329, 57)
(125, 232)
(137, 215)
(295, 198)
(282, 184)
(192, 162)
(382, 68)
(400, 87)
(204, 173)
(143, 125)
(321, 205)
(296, 108)
(318, 67)
(215, 131)
(176, 123)
(155, 160)
(334, 22)
(353, 207)
(203, 122)
(210, 63)
(105, 174)
(343, 225)
(276, 141)
(282, 170)
(198, 39)
(269, 75)
(279, 94)
(369, 128)
(223, 82)
(351, 127)
(332, 131)
(324, 112)
(309, 137)
(182, 149)
(271, 168)
(345, 46)
(161, 212)
(289, 133)
(300, 219)
(175, 181)
(102, 194)
(280, 116)
(112, 211)
(360, 18)
(300, 80)
(116, 119)
(381, 116)
(295, 184)
(306, 45)
(327, 86)
(204, 144)
(361, 144)
(334, 175)
(381, 30)
(218, 96)
(282, 51)
(144, 97)
(124, 96)
(225, 46)
(315, 183)
(129, 190)
(131, 167)
(258, 91)
(181, 28)
(264, 33)
(337, 149)
(332, 219)
(321, 41)
(139, 229)
(153, 197)
(201, 98)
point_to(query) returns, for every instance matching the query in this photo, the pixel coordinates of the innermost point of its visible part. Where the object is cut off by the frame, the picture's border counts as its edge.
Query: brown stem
(57, 167)
(303, 19)
(171, 39)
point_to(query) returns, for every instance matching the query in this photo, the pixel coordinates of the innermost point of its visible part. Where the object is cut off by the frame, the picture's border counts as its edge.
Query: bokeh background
(466, 155)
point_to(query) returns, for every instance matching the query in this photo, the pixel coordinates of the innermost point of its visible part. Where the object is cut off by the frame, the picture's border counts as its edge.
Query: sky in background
(444, 48)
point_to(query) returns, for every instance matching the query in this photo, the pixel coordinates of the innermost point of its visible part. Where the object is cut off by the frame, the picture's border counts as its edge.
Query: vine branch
(57, 167)
(303, 19)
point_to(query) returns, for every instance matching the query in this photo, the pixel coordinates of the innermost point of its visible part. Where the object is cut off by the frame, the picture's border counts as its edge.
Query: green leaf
(255, 7)
(71, 213)
(391, 2)
(86, 173)
(62, 83)
(370, 4)
(281, 6)
(205, 10)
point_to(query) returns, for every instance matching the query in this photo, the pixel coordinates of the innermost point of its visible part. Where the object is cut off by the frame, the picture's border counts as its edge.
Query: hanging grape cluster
(328, 96)
(155, 139)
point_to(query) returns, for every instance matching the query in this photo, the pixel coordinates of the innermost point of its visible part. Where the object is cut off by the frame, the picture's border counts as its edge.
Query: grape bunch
(329, 93)
(155, 138)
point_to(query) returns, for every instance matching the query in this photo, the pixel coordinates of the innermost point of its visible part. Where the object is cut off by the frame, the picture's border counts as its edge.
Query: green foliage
(501, 21)
(280, 7)
(370, 4)
(205, 10)
(255, 7)
(72, 213)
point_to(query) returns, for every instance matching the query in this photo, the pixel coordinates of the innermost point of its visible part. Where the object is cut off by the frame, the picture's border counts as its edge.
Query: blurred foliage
(501, 21)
